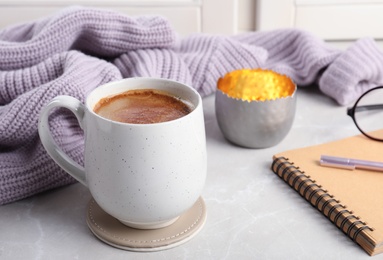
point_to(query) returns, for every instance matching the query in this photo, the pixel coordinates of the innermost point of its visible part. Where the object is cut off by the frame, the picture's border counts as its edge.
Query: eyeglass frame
(351, 112)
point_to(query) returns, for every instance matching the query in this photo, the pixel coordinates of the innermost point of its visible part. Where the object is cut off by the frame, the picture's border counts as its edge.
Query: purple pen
(351, 164)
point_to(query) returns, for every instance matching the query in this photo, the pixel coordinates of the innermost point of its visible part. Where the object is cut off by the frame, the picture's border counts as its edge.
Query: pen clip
(336, 162)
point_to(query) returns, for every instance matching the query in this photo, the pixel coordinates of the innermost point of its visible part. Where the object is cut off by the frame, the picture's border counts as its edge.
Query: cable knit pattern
(79, 49)
(354, 72)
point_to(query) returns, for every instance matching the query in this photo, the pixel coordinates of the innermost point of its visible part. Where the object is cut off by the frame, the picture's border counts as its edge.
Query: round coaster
(113, 232)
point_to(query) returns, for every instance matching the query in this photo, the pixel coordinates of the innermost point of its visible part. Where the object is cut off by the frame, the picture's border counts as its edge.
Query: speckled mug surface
(145, 175)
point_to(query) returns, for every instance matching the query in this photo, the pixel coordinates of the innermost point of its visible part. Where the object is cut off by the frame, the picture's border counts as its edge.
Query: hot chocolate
(142, 106)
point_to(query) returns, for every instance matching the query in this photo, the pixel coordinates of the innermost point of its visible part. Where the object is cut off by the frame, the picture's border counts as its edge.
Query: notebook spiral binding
(319, 198)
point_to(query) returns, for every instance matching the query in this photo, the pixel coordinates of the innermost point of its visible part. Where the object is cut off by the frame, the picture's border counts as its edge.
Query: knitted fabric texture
(79, 49)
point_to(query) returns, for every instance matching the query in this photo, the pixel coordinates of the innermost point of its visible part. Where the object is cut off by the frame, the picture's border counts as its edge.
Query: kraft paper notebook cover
(351, 199)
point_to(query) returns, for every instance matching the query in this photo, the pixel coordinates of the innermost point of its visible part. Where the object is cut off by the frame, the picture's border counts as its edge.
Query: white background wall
(338, 21)
(334, 20)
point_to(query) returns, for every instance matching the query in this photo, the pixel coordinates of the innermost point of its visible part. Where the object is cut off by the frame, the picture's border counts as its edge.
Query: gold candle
(256, 85)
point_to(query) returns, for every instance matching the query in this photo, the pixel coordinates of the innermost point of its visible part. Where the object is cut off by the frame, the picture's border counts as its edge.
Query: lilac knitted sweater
(78, 49)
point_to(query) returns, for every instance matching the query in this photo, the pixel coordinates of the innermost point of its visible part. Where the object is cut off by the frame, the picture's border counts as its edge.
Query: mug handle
(62, 159)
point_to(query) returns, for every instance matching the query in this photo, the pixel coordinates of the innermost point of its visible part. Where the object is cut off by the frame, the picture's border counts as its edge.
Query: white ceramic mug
(145, 175)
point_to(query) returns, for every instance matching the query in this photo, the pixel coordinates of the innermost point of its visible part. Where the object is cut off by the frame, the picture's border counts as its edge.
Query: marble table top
(251, 213)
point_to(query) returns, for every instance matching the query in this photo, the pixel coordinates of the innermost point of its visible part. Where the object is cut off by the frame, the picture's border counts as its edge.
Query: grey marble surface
(252, 214)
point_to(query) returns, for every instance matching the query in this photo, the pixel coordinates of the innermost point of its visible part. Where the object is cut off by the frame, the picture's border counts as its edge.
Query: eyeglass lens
(369, 113)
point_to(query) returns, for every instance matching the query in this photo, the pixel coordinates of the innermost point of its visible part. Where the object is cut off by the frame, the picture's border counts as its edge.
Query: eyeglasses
(367, 113)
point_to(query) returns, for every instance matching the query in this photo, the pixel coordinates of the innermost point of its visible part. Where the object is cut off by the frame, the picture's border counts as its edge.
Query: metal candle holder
(255, 108)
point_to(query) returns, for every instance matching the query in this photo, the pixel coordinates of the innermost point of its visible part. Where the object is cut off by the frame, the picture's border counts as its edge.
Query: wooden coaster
(113, 232)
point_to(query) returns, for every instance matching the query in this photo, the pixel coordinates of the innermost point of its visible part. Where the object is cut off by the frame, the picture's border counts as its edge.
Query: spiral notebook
(351, 199)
